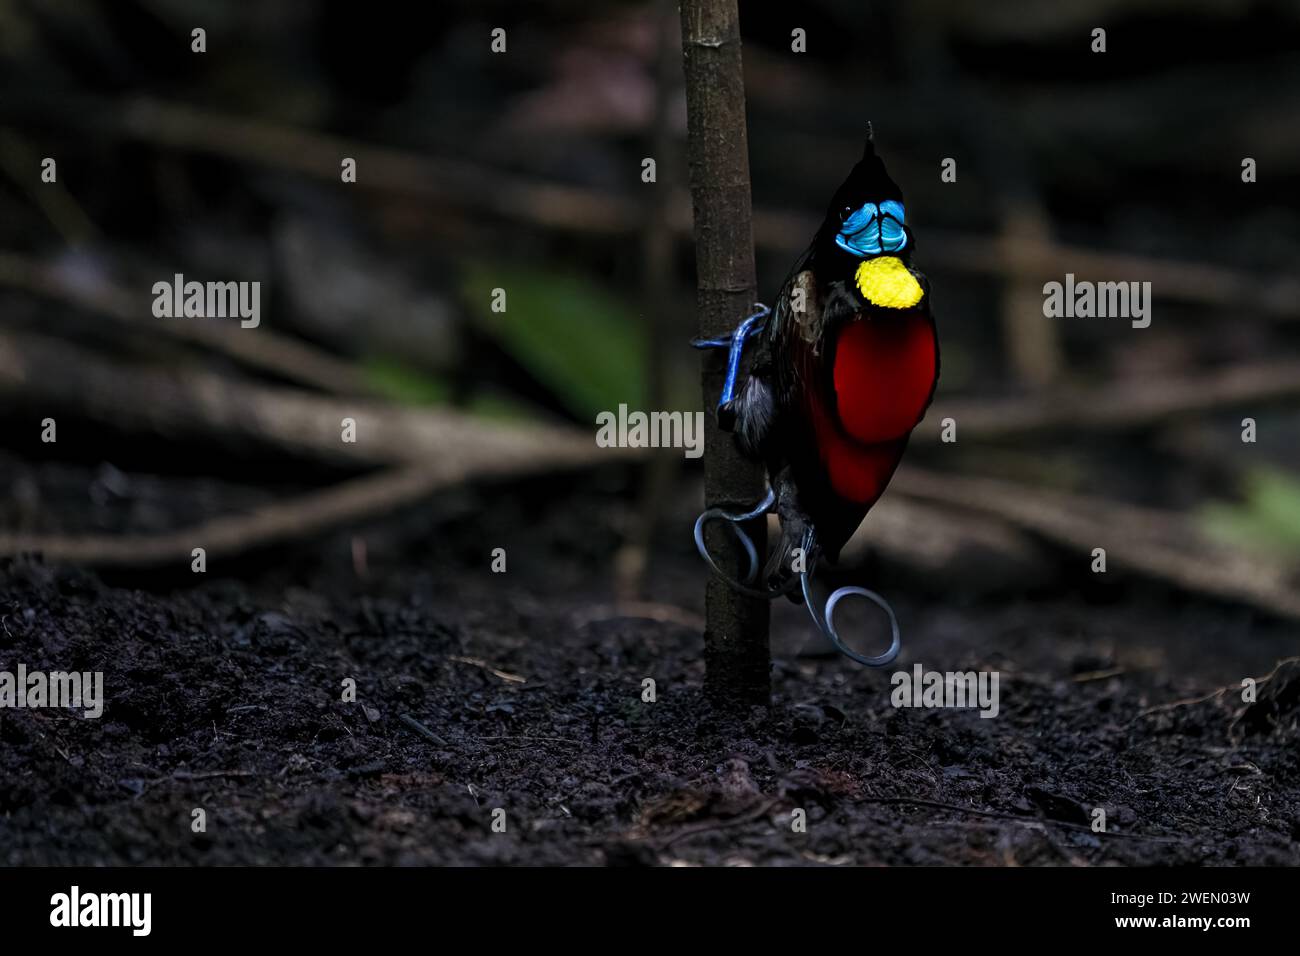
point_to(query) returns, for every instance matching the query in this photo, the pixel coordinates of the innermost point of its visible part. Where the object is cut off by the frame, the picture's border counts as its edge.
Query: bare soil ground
(224, 693)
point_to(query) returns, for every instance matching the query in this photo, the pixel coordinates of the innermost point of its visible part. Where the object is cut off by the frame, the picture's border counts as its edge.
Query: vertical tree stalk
(737, 656)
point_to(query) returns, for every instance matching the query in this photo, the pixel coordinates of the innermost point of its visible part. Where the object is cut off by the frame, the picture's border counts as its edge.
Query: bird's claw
(722, 342)
(734, 342)
(726, 341)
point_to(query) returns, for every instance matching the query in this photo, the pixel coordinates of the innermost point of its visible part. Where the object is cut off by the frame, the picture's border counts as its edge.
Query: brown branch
(737, 656)
(445, 448)
(423, 451)
(1009, 258)
(18, 159)
(259, 349)
(225, 536)
(1117, 407)
(1156, 544)
(944, 543)
(591, 211)
(1172, 280)
(280, 522)
(48, 374)
(390, 170)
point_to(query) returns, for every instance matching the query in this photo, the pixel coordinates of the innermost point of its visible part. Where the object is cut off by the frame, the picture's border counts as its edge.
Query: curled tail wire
(824, 618)
(734, 521)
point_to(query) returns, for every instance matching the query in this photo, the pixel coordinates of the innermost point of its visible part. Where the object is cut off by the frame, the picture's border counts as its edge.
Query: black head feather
(868, 181)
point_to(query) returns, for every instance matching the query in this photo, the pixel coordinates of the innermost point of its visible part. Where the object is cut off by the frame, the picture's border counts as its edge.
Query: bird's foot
(745, 329)
(734, 342)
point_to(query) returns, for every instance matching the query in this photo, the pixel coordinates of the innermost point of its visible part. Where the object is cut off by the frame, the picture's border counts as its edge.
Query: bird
(844, 367)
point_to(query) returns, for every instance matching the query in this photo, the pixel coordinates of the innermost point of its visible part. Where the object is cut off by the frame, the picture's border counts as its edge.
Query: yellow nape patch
(887, 283)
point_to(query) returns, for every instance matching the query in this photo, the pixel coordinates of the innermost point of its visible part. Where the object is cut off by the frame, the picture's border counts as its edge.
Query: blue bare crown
(873, 230)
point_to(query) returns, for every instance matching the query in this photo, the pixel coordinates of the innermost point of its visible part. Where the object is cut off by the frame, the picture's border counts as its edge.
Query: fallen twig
(422, 730)
(752, 816)
(641, 610)
(1090, 676)
(556, 740)
(211, 774)
(484, 665)
(1018, 818)
(1214, 694)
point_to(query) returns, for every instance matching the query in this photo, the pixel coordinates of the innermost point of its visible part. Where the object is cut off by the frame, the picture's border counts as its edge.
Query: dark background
(522, 170)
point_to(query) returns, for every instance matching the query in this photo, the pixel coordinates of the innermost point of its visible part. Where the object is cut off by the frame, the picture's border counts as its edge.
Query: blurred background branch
(377, 294)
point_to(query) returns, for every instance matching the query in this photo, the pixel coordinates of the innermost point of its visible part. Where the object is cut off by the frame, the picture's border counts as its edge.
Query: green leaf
(402, 383)
(582, 342)
(407, 385)
(1268, 518)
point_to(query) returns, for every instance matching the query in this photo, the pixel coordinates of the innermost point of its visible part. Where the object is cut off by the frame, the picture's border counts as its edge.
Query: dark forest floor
(226, 695)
